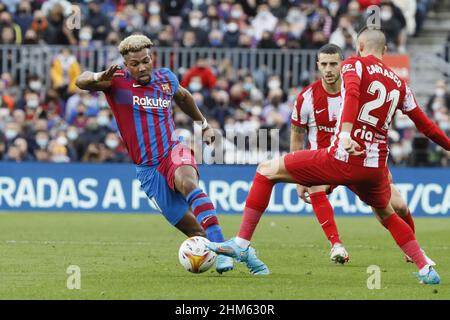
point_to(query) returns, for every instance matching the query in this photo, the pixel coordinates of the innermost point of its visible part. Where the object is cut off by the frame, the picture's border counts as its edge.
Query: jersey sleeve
(351, 72)
(409, 101)
(426, 125)
(301, 110)
(172, 78)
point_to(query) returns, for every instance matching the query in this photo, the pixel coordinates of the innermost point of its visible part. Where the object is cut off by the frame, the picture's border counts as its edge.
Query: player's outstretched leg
(267, 175)
(405, 239)
(325, 215)
(403, 212)
(186, 181)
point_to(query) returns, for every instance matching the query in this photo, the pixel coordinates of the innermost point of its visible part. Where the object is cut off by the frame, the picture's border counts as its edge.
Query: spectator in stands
(57, 31)
(440, 97)
(13, 154)
(98, 21)
(205, 74)
(343, 32)
(22, 145)
(64, 71)
(216, 38)
(24, 16)
(113, 150)
(263, 21)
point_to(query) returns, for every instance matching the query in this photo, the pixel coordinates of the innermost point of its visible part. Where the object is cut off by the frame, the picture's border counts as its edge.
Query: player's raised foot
(247, 255)
(338, 254)
(227, 248)
(429, 261)
(427, 275)
(224, 263)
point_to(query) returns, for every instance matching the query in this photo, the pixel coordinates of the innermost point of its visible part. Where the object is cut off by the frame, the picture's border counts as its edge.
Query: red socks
(409, 220)
(325, 215)
(404, 237)
(257, 202)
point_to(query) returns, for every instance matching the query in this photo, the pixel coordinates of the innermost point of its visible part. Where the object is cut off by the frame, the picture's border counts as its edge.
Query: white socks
(243, 243)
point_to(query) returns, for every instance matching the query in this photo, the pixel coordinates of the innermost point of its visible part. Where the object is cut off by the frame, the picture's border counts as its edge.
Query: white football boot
(338, 254)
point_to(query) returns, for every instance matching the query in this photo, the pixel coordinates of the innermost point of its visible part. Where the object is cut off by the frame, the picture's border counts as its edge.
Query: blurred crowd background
(65, 124)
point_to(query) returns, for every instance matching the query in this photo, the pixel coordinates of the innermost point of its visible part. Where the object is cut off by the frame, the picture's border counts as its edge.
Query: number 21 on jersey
(376, 87)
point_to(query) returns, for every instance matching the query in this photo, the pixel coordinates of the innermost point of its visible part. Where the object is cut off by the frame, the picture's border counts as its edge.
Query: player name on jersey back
(376, 68)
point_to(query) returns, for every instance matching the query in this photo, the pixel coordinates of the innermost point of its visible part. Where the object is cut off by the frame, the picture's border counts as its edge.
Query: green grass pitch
(136, 257)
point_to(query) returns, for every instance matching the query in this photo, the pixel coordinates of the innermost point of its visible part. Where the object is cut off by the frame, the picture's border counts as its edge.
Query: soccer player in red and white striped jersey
(357, 157)
(314, 119)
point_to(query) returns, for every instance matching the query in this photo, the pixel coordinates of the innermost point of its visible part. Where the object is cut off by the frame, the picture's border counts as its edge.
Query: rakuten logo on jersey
(151, 103)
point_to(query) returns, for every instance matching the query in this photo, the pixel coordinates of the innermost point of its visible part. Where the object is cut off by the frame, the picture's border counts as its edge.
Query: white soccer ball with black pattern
(194, 255)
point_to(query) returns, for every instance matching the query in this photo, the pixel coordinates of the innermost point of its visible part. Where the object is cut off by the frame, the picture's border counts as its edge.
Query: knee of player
(188, 185)
(264, 168)
(401, 209)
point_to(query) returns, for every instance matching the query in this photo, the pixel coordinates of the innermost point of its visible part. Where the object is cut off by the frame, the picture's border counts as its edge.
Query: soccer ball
(194, 255)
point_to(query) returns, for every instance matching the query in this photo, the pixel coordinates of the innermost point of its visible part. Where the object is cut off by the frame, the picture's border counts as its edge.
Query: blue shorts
(170, 203)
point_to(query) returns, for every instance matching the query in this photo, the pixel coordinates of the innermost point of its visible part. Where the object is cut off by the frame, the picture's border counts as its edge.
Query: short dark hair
(331, 49)
(370, 28)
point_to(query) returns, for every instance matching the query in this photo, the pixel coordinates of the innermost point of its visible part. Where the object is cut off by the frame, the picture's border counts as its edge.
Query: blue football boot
(224, 263)
(431, 277)
(247, 255)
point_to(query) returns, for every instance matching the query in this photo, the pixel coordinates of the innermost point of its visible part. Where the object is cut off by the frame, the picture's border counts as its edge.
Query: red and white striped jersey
(317, 111)
(371, 93)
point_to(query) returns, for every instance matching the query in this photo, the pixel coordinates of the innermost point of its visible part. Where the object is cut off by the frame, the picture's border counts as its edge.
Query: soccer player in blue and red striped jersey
(141, 99)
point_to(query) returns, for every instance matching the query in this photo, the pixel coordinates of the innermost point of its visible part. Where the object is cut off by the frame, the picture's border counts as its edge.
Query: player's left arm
(422, 122)
(185, 101)
(351, 76)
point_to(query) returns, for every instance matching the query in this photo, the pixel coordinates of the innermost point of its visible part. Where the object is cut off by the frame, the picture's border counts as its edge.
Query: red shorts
(332, 187)
(180, 155)
(318, 167)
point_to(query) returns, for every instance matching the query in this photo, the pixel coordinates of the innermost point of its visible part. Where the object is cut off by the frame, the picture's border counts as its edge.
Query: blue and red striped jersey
(144, 114)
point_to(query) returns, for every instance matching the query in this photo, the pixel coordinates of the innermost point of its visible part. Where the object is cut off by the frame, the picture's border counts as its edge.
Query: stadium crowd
(65, 124)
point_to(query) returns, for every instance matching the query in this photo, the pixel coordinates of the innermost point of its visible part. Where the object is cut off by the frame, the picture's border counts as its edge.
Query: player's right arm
(100, 81)
(299, 121)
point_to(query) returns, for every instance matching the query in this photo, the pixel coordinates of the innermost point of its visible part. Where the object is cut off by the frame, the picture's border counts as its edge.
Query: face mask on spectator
(62, 140)
(35, 85)
(247, 86)
(42, 143)
(195, 86)
(4, 112)
(216, 42)
(153, 10)
(264, 15)
(194, 22)
(85, 36)
(444, 125)
(273, 84)
(333, 7)
(232, 27)
(111, 143)
(236, 14)
(440, 92)
(72, 135)
(385, 14)
(102, 120)
(10, 134)
(32, 103)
